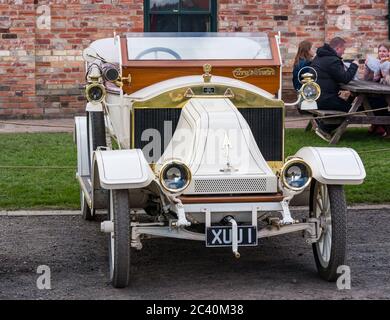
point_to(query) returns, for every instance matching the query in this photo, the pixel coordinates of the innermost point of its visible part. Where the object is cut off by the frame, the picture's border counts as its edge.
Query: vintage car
(184, 138)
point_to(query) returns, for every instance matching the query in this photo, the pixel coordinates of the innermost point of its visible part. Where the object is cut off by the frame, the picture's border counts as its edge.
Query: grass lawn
(39, 188)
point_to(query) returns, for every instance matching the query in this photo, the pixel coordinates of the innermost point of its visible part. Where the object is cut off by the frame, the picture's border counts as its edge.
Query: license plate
(222, 236)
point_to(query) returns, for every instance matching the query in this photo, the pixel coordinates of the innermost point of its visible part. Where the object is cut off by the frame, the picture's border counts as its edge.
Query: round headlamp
(95, 92)
(296, 174)
(111, 74)
(175, 176)
(310, 91)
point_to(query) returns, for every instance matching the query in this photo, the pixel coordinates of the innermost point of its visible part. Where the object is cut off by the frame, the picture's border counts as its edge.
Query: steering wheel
(307, 69)
(157, 49)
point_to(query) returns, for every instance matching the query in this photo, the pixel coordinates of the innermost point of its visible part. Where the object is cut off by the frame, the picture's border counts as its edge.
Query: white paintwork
(211, 136)
(107, 227)
(308, 105)
(81, 139)
(119, 117)
(309, 228)
(94, 107)
(334, 165)
(287, 219)
(123, 169)
(106, 49)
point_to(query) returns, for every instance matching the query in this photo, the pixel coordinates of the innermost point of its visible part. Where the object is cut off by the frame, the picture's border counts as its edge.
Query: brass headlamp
(95, 92)
(175, 176)
(310, 90)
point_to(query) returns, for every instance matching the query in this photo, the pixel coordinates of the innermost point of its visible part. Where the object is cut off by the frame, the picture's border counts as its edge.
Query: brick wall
(17, 60)
(42, 72)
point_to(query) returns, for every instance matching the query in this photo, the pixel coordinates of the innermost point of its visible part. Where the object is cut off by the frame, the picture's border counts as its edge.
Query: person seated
(378, 70)
(302, 59)
(331, 71)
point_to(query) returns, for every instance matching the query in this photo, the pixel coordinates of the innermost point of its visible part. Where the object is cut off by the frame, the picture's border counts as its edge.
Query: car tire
(86, 211)
(119, 240)
(328, 203)
(96, 132)
(96, 135)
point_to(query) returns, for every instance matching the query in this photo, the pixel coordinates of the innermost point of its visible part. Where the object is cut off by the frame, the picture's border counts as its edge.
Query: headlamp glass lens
(175, 176)
(297, 175)
(310, 91)
(111, 74)
(95, 93)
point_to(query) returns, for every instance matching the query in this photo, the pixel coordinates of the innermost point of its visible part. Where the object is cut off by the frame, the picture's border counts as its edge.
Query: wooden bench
(362, 90)
(323, 113)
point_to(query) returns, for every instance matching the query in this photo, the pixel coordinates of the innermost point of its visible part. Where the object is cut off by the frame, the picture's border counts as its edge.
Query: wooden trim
(124, 51)
(232, 199)
(378, 120)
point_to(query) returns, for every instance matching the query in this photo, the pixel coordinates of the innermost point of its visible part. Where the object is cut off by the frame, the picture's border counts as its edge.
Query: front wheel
(87, 213)
(119, 239)
(96, 132)
(329, 206)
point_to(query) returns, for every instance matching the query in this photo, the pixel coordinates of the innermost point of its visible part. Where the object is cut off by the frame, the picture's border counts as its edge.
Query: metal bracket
(287, 219)
(207, 217)
(182, 220)
(233, 222)
(94, 107)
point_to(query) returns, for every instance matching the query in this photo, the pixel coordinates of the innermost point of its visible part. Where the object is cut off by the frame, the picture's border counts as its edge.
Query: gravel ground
(280, 268)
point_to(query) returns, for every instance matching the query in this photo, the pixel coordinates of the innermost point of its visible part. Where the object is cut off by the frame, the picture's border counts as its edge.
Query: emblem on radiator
(227, 145)
(241, 73)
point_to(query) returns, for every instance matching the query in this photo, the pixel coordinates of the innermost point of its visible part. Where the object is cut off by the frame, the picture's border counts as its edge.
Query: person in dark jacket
(331, 72)
(302, 60)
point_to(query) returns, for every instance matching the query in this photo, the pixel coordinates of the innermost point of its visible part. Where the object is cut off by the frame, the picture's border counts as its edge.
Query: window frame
(212, 13)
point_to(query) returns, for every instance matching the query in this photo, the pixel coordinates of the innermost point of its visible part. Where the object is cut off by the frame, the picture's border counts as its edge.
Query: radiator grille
(230, 185)
(266, 125)
(163, 120)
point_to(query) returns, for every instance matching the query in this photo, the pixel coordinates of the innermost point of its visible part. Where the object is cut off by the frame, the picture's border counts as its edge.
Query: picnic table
(361, 90)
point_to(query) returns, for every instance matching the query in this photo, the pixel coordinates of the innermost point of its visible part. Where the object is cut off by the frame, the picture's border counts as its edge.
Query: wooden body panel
(264, 74)
(144, 77)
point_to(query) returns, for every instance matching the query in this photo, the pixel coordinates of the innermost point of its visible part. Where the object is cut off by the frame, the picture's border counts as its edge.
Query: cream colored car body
(216, 143)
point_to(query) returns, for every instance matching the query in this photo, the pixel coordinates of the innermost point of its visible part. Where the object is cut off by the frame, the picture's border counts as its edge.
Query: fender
(340, 166)
(81, 140)
(121, 169)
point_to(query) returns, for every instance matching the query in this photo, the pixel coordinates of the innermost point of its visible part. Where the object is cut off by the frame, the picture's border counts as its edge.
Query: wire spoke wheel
(329, 206)
(119, 239)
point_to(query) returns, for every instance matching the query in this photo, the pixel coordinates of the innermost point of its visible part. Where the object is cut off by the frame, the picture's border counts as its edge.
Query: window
(180, 16)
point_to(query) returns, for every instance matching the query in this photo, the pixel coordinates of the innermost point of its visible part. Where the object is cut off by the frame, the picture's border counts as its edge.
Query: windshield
(198, 46)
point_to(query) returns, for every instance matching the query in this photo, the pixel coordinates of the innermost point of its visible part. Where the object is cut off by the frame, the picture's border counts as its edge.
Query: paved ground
(280, 268)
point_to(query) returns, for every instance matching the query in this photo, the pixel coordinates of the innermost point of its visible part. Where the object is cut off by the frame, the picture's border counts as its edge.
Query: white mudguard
(81, 139)
(122, 169)
(338, 166)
